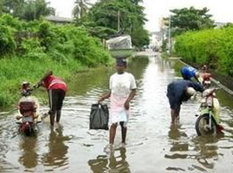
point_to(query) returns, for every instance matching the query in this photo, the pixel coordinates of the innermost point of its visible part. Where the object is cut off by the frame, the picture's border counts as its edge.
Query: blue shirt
(177, 90)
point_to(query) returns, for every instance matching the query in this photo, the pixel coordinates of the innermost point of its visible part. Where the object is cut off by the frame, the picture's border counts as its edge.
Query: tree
(81, 8)
(14, 7)
(34, 9)
(140, 37)
(104, 15)
(2, 8)
(26, 9)
(136, 1)
(187, 19)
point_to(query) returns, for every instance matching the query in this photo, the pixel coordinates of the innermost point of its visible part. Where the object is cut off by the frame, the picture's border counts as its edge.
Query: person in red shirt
(56, 88)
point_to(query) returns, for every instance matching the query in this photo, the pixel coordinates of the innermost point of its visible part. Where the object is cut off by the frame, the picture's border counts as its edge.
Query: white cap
(190, 91)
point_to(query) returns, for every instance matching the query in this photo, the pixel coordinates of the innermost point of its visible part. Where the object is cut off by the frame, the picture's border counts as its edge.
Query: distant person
(56, 88)
(205, 77)
(204, 69)
(188, 73)
(122, 90)
(179, 91)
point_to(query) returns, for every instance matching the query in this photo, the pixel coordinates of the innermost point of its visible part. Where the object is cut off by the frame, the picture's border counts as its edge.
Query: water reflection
(207, 150)
(84, 81)
(29, 156)
(116, 164)
(176, 132)
(56, 155)
(138, 66)
(178, 146)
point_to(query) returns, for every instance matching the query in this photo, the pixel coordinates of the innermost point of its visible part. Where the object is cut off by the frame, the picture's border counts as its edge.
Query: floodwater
(153, 145)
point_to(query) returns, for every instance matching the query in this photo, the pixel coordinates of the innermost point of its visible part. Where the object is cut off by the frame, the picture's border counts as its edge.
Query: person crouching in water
(56, 88)
(179, 91)
(122, 90)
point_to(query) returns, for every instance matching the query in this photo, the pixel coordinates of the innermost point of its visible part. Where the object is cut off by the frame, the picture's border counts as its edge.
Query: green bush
(27, 50)
(31, 45)
(10, 21)
(213, 47)
(7, 42)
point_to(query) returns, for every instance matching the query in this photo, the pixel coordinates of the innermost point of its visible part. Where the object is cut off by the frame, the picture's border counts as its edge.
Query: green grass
(13, 71)
(64, 49)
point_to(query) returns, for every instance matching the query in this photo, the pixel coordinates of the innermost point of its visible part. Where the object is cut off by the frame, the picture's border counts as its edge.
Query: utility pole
(119, 21)
(169, 36)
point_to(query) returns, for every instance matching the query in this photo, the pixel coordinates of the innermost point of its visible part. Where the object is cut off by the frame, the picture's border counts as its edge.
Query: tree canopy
(109, 15)
(26, 9)
(187, 19)
(81, 7)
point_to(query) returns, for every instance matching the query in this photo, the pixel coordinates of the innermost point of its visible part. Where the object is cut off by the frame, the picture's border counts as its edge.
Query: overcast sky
(222, 10)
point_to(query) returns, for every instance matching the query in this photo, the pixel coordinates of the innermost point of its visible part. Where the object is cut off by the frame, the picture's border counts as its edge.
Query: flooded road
(153, 145)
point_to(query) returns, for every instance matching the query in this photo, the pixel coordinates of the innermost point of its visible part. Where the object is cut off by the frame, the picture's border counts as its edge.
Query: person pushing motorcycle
(56, 88)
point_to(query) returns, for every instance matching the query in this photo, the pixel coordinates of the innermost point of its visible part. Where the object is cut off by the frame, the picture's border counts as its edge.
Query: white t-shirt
(122, 84)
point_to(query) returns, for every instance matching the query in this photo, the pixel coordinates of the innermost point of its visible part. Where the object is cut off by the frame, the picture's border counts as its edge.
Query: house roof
(59, 19)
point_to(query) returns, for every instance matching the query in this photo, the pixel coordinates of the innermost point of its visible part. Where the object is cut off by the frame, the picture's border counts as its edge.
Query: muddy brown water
(153, 145)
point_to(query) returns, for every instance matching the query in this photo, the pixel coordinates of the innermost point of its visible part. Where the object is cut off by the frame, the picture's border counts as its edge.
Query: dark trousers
(56, 97)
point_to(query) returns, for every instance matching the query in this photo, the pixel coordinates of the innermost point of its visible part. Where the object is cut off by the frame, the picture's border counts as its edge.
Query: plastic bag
(99, 116)
(121, 42)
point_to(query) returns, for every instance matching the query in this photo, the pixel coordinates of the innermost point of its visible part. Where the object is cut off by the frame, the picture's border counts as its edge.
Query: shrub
(213, 47)
(41, 46)
(7, 42)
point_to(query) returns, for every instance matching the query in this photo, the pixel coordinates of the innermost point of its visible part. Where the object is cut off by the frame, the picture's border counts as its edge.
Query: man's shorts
(56, 97)
(174, 103)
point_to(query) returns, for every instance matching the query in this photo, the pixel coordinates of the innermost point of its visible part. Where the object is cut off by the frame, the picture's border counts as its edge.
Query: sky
(222, 10)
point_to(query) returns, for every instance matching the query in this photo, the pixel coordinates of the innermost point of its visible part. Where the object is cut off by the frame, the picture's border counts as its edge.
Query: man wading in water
(179, 91)
(56, 90)
(122, 90)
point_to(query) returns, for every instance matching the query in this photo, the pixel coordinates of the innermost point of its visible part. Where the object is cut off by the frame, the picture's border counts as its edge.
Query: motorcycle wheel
(201, 126)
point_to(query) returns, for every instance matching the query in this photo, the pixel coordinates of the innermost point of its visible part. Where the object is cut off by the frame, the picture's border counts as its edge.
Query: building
(155, 40)
(59, 20)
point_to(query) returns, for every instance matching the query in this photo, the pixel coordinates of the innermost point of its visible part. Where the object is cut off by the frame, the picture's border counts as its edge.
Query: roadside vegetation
(198, 42)
(27, 50)
(30, 45)
(213, 47)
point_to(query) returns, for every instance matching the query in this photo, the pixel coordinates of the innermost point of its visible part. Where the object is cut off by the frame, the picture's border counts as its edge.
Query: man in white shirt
(122, 90)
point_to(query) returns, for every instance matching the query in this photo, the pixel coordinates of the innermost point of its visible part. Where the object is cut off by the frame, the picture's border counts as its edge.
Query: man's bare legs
(123, 132)
(175, 115)
(112, 133)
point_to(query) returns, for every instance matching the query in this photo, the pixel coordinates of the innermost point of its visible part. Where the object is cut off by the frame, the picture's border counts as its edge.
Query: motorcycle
(28, 106)
(208, 121)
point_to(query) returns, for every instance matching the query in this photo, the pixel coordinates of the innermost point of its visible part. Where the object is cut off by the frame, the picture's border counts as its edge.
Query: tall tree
(13, 7)
(26, 9)
(34, 9)
(2, 8)
(186, 19)
(104, 15)
(81, 8)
